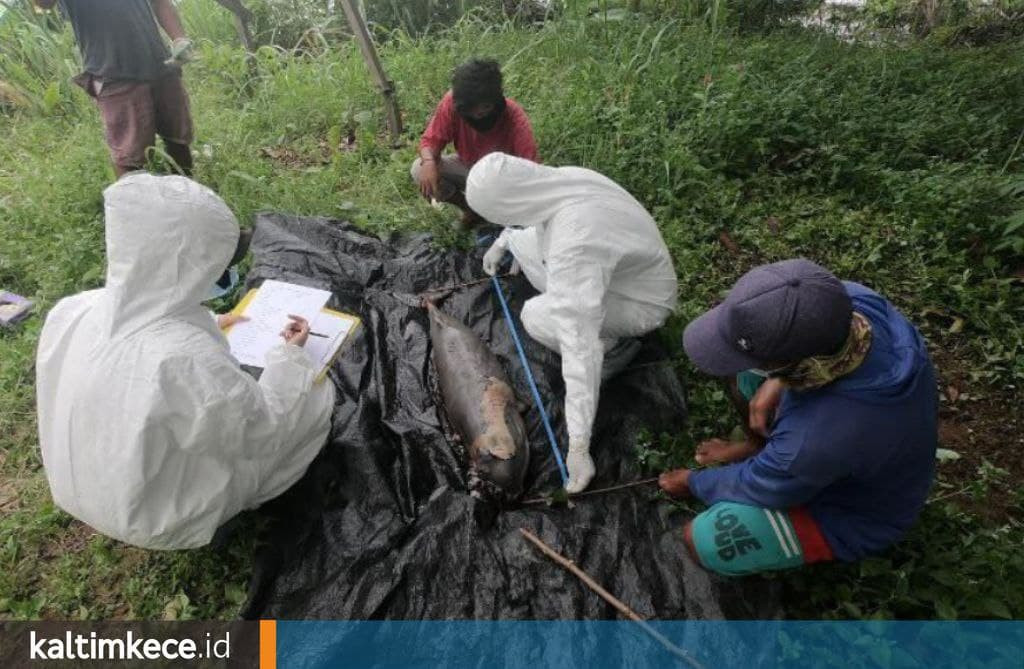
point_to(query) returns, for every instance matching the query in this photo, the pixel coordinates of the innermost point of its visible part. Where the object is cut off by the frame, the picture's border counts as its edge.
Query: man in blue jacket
(849, 457)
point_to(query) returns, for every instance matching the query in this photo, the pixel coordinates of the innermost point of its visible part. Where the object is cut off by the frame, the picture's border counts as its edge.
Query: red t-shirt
(511, 134)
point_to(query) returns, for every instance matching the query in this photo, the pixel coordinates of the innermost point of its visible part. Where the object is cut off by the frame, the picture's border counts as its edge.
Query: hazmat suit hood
(513, 191)
(599, 261)
(149, 430)
(168, 239)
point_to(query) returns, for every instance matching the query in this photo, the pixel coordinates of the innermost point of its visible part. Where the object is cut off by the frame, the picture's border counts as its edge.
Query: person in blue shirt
(847, 406)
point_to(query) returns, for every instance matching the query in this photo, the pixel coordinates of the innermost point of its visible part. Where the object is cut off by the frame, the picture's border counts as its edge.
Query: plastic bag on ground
(383, 525)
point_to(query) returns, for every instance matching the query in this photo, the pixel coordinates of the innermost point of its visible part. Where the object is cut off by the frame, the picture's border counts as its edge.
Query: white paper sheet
(268, 314)
(321, 349)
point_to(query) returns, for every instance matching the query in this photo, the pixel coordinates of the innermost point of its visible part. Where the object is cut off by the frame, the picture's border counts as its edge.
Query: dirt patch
(73, 539)
(983, 425)
(292, 158)
(286, 156)
(10, 499)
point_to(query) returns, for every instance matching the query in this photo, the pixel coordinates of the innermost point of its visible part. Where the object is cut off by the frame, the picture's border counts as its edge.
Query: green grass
(901, 168)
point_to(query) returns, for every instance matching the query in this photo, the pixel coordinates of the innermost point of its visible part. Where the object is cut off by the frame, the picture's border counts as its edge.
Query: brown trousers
(135, 112)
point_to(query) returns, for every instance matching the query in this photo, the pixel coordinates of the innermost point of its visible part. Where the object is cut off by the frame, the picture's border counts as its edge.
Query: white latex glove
(580, 465)
(181, 51)
(495, 254)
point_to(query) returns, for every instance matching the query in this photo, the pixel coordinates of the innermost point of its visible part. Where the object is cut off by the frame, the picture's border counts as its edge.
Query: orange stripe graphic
(268, 644)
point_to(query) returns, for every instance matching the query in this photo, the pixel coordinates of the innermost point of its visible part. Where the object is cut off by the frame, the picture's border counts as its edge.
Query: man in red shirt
(476, 116)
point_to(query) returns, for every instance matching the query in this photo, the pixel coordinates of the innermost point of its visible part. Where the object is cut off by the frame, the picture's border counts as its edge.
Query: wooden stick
(579, 573)
(386, 87)
(599, 491)
(939, 498)
(656, 363)
(457, 286)
(242, 17)
(610, 598)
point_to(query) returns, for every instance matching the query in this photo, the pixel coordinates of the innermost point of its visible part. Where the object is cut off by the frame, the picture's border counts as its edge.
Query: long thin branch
(457, 286)
(610, 598)
(939, 498)
(599, 491)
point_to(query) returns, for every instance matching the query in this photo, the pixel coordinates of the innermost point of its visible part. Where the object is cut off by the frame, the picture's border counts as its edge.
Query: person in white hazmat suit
(150, 431)
(599, 261)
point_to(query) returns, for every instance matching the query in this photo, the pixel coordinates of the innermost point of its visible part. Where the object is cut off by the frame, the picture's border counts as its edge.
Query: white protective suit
(150, 431)
(599, 260)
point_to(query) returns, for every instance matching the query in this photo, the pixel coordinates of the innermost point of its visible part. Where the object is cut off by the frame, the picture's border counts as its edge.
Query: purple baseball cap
(775, 315)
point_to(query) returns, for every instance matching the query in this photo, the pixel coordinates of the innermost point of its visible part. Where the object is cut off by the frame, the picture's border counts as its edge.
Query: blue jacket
(859, 453)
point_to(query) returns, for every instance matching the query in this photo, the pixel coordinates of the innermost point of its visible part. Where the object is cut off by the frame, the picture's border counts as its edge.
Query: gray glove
(495, 254)
(181, 52)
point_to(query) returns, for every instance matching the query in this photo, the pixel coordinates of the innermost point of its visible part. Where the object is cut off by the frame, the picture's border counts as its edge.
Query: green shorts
(735, 539)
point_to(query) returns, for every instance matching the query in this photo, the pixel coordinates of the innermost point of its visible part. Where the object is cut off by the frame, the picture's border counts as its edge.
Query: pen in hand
(317, 334)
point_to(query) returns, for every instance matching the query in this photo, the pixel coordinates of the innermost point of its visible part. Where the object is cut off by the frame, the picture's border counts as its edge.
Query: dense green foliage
(901, 168)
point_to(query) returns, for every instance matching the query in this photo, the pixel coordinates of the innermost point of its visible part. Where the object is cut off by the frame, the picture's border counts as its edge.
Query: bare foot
(675, 483)
(720, 451)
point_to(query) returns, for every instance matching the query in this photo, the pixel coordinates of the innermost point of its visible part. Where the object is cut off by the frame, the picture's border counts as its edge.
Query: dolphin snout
(507, 474)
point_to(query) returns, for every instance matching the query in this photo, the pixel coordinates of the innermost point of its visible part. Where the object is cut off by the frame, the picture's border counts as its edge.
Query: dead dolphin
(479, 402)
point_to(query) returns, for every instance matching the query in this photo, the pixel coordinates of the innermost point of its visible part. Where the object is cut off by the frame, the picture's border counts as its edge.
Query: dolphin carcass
(479, 403)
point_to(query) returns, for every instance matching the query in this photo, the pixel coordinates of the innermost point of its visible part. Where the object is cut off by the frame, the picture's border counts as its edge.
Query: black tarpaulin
(383, 526)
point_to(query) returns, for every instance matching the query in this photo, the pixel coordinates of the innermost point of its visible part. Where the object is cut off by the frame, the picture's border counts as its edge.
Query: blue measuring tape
(533, 384)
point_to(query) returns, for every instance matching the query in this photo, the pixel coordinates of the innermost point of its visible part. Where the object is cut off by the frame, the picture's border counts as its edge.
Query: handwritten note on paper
(268, 314)
(336, 327)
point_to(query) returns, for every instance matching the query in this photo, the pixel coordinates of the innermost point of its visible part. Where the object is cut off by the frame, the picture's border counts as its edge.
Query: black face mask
(487, 122)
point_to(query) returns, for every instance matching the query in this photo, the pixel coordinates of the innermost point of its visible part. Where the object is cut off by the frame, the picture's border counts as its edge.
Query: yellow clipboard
(334, 346)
